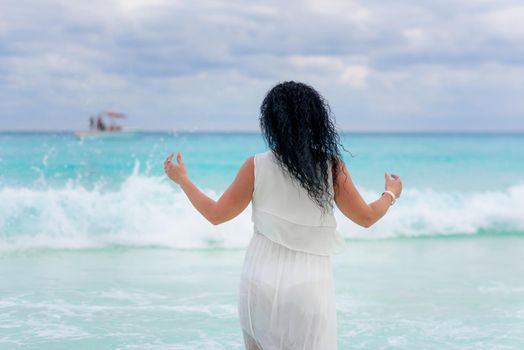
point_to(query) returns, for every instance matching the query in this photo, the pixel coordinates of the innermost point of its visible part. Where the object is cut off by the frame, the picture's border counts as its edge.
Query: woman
(286, 295)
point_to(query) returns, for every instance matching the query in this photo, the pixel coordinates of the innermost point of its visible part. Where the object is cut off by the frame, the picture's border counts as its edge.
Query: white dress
(287, 294)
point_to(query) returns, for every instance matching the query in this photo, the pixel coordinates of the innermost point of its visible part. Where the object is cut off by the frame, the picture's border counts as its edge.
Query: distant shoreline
(381, 132)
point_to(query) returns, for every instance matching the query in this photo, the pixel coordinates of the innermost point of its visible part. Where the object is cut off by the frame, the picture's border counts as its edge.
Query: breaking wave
(151, 211)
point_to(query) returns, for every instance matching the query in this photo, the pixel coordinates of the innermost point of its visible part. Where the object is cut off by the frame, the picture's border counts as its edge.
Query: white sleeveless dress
(287, 294)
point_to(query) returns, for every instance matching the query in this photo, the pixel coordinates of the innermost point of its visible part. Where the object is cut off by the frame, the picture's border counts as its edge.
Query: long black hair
(297, 126)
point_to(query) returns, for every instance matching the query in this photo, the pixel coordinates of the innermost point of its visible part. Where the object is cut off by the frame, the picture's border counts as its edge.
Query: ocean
(99, 250)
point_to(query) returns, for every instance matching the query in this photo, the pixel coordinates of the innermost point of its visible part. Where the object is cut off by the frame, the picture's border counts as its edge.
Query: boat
(105, 125)
(103, 134)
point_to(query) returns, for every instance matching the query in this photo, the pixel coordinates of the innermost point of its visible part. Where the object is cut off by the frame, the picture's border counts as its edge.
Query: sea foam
(152, 211)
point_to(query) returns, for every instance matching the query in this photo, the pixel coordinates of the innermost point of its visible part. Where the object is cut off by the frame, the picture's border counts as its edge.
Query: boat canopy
(113, 114)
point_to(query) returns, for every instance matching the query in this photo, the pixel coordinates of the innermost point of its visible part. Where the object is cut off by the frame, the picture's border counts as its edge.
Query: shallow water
(392, 294)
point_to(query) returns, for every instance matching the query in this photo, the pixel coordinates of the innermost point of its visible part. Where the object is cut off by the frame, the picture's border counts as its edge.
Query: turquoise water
(99, 251)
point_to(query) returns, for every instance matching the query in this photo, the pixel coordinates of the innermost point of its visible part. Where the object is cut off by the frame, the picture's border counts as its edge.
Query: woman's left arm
(232, 202)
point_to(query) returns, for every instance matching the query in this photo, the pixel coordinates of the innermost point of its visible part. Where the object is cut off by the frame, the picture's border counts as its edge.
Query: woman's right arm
(353, 206)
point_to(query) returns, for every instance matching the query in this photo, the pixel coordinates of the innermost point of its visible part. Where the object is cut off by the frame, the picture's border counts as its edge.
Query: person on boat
(100, 124)
(91, 123)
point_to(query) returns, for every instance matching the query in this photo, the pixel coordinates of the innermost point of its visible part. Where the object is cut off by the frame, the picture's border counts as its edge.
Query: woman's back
(284, 213)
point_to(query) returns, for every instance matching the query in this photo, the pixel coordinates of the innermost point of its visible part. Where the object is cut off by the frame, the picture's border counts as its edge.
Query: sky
(206, 65)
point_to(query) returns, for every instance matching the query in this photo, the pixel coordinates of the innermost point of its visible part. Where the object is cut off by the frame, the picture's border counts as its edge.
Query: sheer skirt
(286, 298)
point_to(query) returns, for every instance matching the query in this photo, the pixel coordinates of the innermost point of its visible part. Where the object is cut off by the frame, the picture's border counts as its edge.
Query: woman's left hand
(176, 172)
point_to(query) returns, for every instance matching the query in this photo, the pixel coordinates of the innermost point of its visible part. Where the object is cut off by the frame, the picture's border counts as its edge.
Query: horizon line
(256, 131)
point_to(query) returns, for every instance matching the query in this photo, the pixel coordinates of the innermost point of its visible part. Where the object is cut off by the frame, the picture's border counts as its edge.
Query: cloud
(207, 64)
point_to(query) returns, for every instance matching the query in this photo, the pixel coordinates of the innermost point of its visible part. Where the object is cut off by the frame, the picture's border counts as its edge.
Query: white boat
(103, 134)
(101, 129)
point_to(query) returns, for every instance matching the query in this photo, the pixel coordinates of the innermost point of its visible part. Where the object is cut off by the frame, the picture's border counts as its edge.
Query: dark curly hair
(296, 124)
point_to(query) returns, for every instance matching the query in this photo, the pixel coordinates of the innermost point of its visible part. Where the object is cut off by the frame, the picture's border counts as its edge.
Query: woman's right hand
(393, 184)
(176, 172)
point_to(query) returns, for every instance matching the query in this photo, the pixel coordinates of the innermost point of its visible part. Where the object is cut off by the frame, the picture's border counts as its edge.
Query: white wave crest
(151, 211)
(429, 213)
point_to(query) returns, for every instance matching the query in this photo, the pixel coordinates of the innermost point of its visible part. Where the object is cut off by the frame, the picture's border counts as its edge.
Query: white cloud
(338, 69)
(415, 36)
(506, 22)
